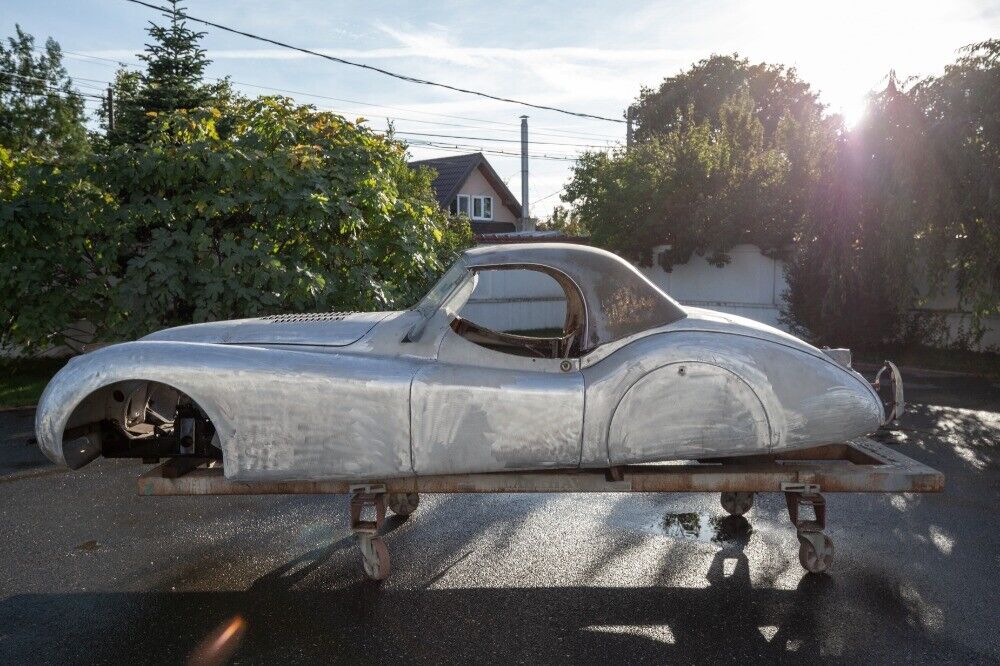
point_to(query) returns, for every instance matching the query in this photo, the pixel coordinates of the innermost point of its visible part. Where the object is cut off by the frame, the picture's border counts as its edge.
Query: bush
(246, 208)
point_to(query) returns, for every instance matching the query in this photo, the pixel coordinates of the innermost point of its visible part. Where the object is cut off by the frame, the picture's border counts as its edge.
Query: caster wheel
(375, 557)
(402, 504)
(813, 559)
(736, 504)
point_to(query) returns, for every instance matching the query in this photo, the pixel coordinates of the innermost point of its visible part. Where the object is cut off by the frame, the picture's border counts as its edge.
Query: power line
(429, 113)
(483, 138)
(419, 134)
(401, 77)
(503, 126)
(547, 196)
(417, 142)
(7, 72)
(465, 148)
(51, 91)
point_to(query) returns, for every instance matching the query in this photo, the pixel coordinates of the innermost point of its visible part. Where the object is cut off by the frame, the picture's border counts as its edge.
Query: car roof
(620, 300)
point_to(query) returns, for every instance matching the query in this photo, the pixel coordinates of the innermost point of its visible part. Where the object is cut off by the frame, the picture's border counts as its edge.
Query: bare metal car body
(634, 377)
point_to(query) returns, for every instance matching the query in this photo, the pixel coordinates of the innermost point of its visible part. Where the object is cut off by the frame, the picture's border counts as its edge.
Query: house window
(460, 205)
(477, 208)
(482, 208)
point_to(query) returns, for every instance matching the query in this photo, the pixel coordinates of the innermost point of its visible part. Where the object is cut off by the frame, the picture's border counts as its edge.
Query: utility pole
(630, 118)
(526, 224)
(111, 109)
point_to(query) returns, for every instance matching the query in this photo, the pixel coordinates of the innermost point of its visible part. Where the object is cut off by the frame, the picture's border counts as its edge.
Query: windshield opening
(442, 289)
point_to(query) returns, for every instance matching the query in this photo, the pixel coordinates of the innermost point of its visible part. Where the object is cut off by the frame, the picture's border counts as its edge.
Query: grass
(982, 364)
(22, 380)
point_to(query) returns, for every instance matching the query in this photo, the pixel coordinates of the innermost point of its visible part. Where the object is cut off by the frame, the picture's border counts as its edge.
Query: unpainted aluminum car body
(635, 377)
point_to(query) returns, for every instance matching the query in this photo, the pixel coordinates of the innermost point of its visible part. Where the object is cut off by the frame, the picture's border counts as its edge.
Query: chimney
(526, 223)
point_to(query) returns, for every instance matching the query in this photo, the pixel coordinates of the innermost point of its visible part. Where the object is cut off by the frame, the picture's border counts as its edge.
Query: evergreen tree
(40, 113)
(173, 80)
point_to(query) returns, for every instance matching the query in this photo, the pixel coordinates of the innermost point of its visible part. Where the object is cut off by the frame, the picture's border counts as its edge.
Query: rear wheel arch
(677, 408)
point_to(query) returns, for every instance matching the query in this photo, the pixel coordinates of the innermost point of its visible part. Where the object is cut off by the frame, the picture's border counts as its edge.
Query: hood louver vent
(315, 316)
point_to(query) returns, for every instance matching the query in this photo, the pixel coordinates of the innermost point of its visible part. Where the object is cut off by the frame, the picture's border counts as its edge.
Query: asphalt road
(92, 573)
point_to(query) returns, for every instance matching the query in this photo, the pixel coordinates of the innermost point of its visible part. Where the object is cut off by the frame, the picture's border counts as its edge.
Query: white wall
(516, 300)
(751, 286)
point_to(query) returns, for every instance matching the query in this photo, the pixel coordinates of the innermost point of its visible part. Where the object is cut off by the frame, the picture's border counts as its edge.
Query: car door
(481, 410)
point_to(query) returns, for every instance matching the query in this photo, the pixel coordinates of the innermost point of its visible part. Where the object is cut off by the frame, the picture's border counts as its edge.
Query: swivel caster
(737, 504)
(815, 551)
(374, 556)
(403, 504)
(370, 498)
(815, 547)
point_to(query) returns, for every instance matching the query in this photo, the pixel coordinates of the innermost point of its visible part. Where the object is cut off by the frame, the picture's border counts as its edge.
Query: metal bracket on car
(897, 402)
(793, 487)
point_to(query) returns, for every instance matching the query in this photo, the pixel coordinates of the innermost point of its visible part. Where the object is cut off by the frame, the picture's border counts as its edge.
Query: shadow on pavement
(365, 623)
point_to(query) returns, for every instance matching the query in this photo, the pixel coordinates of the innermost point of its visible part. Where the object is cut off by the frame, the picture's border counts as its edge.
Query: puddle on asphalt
(88, 545)
(705, 527)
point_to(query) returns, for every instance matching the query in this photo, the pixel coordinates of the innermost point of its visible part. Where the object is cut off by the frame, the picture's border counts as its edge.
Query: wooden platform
(860, 465)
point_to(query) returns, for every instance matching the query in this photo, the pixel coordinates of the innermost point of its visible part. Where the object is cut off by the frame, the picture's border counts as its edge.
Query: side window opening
(524, 312)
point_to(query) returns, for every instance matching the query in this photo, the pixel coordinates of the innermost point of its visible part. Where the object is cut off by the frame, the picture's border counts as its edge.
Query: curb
(25, 408)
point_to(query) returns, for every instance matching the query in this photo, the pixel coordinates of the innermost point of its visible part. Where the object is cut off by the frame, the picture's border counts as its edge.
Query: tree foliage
(878, 220)
(718, 170)
(40, 113)
(259, 207)
(698, 94)
(173, 80)
(910, 213)
(203, 205)
(874, 227)
(565, 221)
(962, 108)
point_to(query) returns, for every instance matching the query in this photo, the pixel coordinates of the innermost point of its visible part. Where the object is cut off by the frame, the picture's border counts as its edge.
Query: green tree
(725, 153)
(565, 221)
(855, 275)
(173, 80)
(40, 112)
(252, 207)
(700, 187)
(963, 113)
(699, 94)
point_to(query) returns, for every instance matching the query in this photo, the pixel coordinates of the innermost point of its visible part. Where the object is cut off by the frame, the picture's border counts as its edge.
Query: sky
(587, 56)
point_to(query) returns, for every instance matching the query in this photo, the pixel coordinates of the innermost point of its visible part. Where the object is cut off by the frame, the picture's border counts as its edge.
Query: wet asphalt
(92, 573)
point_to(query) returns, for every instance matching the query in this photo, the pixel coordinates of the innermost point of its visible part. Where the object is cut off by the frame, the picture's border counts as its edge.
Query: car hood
(328, 329)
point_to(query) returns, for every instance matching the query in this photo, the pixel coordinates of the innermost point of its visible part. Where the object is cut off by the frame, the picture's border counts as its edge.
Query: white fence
(751, 286)
(516, 301)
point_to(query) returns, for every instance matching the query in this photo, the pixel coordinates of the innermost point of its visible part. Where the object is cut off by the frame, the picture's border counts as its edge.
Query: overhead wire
(483, 138)
(463, 148)
(547, 196)
(502, 125)
(372, 68)
(53, 91)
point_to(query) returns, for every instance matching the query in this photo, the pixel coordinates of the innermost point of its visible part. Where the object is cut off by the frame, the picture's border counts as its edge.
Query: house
(468, 184)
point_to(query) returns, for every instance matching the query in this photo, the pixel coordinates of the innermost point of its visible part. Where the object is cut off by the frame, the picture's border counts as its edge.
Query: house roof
(452, 172)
